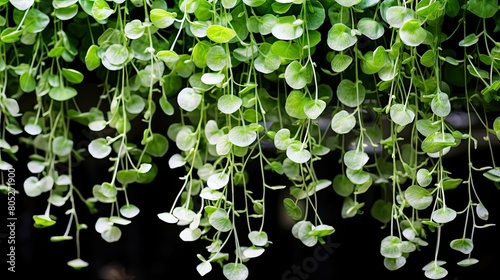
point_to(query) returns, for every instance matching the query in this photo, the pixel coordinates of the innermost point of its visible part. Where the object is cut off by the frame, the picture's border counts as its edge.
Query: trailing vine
(376, 81)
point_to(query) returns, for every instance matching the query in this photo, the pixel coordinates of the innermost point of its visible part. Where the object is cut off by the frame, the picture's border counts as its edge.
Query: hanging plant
(375, 81)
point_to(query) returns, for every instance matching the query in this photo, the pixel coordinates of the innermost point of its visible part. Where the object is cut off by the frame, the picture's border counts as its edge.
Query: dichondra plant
(276, 83)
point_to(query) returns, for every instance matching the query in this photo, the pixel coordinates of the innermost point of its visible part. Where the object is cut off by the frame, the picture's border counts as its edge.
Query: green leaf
(258, 238)
(287, 49)
(355, 159)
(218, 180)
(351, 94)
(424, 177)
(342, 185)
(296, 75)
(427, 127)
(134, 29)
(322, 230)
(418, 197)
(314, 108)
(450, 183)
(340, 37)
(441, 105)
(62, 146)
(467, 262)
(348, 3)
(483, 8)
(126, 177)
(161, 18)
(22, 4)
(10, 35)
(43, 221)
(370, 28)
(62, 93)
(220, 220)
(452, 8)
(112, 234)
(60, 238)
(235, 271)
(229, 103)
(397, 16)
(220, 34)
(482, 212)
(204, 267)
(117, 54)
(92, 60)
(72, 76)
(99, 148)
(437, 141)
(350, 207)
(242, 136)
(185, 139)
(217, 58)
(287, 28)
(282, 139)
(254, 3)
(428, 58)
(401, 114)
(298, 153)
(101, 10)
(157, 146)
(357, 177)
(67, 13)
(343, 122)
(188, 234)
(435, 272)
(340, 62)
(188, 99)
(77, 264)
(212, 132)
(463, 245)
(267, 61)
(135, 104)
(303, 231)
(36, 21)
(394, 263)
(166, 106)
(27, 82)
(294, 104)
(390, 247)
(469, 40)
(493, 174)
(229, 4)
(292, 210)
(381, 210)
(443, 215)
(412, 34)
(108, 190)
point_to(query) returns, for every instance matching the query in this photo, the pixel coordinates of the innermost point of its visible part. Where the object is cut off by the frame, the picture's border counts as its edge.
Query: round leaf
(229, 103)
(418, 197)
(355, 159)
(298, 153)
(340, 37)
(242, 136)
(350, 94)
(343, 122)
(220, 34)
(99, 148)
(188, 99)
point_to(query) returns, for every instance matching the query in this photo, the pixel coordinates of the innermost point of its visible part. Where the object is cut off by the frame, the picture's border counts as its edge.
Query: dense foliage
(374, 80)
